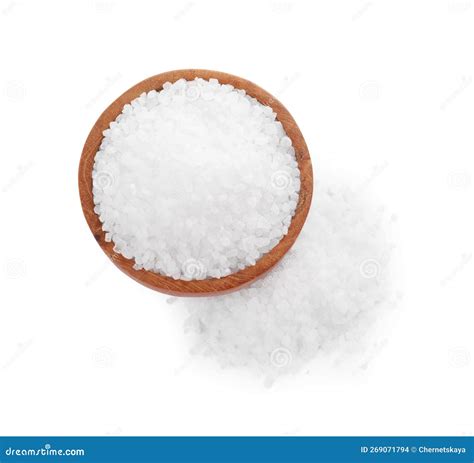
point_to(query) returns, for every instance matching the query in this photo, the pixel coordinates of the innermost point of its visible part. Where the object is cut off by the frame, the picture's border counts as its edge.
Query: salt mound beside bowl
(209, 286)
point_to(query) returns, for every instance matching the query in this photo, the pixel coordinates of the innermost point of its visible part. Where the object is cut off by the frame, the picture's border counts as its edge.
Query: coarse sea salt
(196, 181)
(323, 297)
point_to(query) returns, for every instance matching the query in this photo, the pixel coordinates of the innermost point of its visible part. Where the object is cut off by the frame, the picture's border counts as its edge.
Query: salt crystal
(326, 291)
(181, 173)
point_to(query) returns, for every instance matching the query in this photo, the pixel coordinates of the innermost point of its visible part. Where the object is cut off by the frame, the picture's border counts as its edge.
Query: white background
(383, 93)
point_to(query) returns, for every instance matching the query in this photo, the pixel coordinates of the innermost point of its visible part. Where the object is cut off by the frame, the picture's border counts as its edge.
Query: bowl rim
(211, 286)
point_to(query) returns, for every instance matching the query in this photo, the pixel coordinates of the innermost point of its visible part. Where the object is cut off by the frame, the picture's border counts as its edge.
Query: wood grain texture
(212, 286)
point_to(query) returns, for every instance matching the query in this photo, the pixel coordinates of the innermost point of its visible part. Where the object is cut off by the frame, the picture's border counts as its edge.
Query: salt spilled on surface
(321, 299)
(195, 181)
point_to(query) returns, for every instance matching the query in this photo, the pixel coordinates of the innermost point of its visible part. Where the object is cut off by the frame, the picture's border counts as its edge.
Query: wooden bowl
(211, 286)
